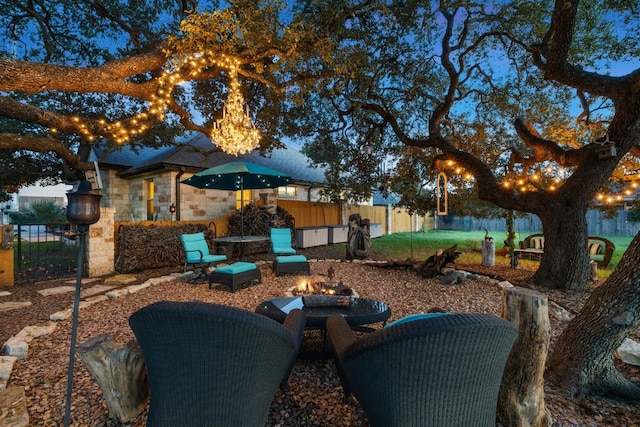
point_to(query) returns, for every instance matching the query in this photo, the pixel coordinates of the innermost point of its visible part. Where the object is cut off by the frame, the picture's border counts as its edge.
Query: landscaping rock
(13, 408)
(12, 305)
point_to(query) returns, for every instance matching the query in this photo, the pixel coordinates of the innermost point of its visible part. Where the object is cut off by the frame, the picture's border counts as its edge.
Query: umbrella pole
(241, 208)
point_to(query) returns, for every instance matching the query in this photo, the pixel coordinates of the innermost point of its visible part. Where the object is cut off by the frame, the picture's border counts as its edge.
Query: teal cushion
(289, 259)
(412, 317)
(236, 267)
(195, 247)
(283, 250)
(214, 258)
(281, 241)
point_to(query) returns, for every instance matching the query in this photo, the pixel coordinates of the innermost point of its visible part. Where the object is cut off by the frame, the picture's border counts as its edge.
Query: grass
(422, 245)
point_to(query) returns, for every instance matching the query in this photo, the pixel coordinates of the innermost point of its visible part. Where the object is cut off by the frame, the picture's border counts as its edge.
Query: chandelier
(234, 133)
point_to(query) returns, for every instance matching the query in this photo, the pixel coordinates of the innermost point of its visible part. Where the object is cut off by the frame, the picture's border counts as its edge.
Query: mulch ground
(315, 395)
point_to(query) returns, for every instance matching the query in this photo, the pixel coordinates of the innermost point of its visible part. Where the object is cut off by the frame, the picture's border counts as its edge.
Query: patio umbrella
(238, 176)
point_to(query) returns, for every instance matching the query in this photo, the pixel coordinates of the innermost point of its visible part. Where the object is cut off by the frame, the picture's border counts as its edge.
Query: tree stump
(358, 237)
(488, 253)
(121, 374)
(593, 271)
(521, 398)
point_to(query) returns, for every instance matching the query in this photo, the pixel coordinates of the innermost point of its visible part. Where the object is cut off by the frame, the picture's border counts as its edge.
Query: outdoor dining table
(241, 240)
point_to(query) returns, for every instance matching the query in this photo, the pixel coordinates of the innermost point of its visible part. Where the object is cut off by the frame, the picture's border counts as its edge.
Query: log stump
(358, 237)
(121, 374)
(434, 265)
(521, 398)
(488, 253)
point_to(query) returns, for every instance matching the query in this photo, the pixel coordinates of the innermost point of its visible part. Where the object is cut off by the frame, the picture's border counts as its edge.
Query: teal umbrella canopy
(239, 175)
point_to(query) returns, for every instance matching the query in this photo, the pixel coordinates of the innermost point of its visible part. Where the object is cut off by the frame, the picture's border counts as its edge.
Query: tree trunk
(521, 399)
(565, 261)
(121, 375)
(583, 357)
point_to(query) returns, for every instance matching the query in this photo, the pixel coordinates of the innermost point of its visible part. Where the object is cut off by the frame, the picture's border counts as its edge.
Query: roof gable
(187, 156)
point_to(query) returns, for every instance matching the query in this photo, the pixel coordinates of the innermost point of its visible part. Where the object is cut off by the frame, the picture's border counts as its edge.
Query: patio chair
(196, 250)
(214, 365)
(436, 371)
(280, 239)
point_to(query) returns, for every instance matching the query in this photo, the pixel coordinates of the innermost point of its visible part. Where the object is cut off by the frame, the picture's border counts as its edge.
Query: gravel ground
(315, 396)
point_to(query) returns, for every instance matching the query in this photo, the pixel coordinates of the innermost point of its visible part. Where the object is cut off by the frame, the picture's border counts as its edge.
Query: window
(150, 191)
(287, 191)
(240, 197)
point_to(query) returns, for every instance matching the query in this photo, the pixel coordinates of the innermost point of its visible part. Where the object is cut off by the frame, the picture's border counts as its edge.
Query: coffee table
(358, 314)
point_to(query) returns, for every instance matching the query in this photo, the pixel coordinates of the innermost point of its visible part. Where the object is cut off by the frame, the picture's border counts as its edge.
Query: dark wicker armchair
(214, 365)
(441, 371)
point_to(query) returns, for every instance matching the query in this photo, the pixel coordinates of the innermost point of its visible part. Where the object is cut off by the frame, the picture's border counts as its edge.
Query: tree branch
(11, 141)
(544, 149)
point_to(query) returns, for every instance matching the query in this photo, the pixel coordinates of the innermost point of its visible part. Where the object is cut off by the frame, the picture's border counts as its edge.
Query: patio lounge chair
(280, 239)
(196, 250)
(214, 365)
(436, 371)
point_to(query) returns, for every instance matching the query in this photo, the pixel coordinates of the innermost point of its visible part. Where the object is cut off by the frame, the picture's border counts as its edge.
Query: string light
(538, 181)
(234, 133)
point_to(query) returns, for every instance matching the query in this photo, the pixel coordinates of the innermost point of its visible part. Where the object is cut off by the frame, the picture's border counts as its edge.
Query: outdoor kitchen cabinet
(307, 237)
(375, 230)
(338, 233)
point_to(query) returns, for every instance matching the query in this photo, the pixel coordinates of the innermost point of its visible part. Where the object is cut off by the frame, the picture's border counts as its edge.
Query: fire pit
(320, 284)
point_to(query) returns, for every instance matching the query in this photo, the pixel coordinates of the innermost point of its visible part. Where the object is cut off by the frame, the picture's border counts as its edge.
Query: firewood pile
(257, 222)
(140, 247)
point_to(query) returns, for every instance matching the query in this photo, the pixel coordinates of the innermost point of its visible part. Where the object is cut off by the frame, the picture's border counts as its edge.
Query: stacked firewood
(140, 247)
(256, 221)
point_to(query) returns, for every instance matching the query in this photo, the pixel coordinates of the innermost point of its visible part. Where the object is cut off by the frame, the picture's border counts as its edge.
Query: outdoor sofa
(600, 249)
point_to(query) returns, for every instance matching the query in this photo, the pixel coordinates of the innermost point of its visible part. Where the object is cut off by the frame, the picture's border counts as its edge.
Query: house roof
(380, 199)
(186, 156)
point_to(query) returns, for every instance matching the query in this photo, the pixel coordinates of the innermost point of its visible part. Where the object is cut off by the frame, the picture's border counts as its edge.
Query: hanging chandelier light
(235, 133)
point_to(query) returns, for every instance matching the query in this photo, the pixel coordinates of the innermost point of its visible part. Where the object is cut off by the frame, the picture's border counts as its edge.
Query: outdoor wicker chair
(438, 371)
(214, 365)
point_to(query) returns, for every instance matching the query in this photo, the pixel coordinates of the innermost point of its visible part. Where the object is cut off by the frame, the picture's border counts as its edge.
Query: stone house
(143, 185)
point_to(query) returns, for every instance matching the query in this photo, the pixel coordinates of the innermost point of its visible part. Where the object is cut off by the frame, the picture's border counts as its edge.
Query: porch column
(101, 244)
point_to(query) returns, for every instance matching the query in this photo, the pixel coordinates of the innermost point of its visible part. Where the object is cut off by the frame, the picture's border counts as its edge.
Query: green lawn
(400, 246)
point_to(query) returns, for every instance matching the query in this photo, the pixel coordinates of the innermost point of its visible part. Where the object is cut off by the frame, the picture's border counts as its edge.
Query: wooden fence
(597, 224)
(315, 214)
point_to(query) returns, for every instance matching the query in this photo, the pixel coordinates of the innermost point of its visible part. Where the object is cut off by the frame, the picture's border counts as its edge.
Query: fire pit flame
(319, 284)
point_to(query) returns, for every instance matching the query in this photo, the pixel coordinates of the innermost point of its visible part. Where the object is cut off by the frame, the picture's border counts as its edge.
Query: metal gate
(45, 252)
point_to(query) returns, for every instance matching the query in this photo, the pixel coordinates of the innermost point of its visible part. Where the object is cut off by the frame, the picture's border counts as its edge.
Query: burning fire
(319, 285)
(310, 285)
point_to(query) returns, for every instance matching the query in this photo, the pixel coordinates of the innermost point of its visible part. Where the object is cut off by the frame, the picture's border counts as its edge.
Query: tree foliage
(519, 96)
(515, 95)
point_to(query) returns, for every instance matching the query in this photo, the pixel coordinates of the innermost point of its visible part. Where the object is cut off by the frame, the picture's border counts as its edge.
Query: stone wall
(115, 194)
(100, 244)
